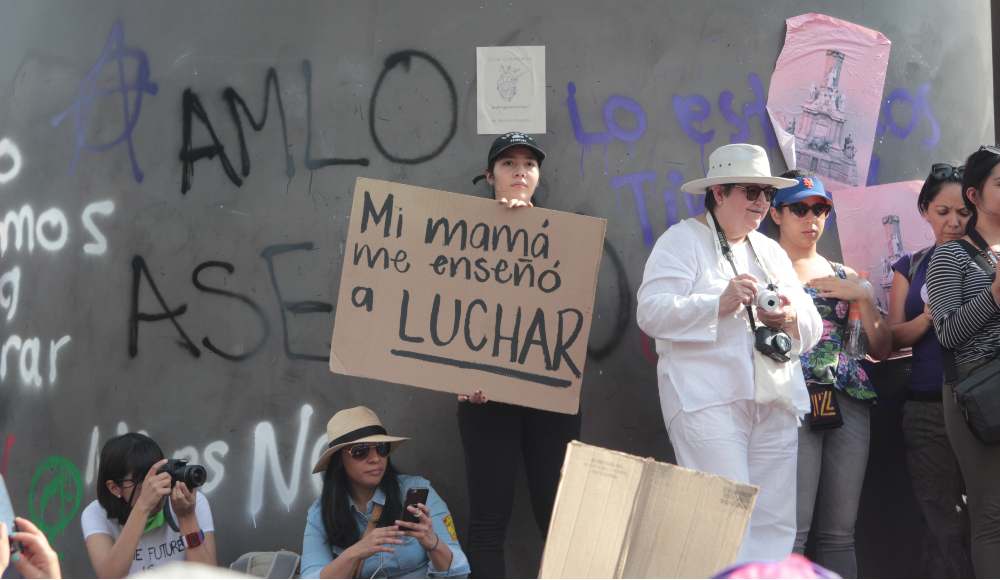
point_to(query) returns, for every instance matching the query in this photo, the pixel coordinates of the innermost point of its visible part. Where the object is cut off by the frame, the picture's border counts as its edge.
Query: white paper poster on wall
(510, 89)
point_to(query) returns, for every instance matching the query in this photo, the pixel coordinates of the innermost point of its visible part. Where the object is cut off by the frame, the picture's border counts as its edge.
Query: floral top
(826, 363)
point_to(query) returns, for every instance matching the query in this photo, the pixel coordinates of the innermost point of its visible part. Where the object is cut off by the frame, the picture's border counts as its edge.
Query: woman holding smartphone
(360, 525)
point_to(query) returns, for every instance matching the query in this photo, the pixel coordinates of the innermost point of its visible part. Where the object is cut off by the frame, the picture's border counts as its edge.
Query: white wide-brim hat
(350, 426)
(737, 163)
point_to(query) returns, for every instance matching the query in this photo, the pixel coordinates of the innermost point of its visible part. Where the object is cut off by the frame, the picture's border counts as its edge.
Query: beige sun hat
(737, 163)
(350, 426)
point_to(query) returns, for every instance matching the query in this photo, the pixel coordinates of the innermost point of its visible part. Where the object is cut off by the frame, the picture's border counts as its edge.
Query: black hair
(335, 506)
(931, 188)
(710, 202)
(131, 453)
(978, 167)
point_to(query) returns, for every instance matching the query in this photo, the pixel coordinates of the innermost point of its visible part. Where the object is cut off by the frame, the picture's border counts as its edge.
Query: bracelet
(194, 539)
(436, 542)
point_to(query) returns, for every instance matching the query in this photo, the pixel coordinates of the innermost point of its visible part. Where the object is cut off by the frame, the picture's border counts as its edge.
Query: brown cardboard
(382, 328)
(621, 516)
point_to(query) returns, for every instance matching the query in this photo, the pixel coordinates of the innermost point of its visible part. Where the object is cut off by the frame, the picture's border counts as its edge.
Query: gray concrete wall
(241, 384)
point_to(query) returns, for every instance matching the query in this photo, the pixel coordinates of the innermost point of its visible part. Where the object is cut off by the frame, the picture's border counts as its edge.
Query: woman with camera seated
(360, 526)
(728, 315)
(142, 517)
(833, 443)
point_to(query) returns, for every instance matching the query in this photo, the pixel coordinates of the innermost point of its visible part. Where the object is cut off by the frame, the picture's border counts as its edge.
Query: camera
(192, 475)
(775, 344)
(768, 298)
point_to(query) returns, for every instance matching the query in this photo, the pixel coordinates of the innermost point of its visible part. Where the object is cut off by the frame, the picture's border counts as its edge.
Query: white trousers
(749, 443)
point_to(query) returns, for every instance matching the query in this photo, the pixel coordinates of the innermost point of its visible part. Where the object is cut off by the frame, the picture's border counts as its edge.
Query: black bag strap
(727, 251)
(916, 259)
(976, 255)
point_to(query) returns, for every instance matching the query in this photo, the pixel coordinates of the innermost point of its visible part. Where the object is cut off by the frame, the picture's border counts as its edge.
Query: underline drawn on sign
(92, 90)
(502, 371)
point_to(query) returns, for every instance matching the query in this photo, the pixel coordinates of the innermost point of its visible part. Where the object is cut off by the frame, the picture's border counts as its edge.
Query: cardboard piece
(510, 89)
(456, 293)
(621, 516)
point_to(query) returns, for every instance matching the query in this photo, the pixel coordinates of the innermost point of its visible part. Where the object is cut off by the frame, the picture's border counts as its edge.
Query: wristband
(436, 542)
(194, 539)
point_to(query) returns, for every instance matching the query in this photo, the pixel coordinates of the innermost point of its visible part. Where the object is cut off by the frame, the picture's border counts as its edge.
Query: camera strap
(727, 252)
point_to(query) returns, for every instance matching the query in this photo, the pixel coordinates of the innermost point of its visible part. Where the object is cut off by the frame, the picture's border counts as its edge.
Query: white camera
(768, 298)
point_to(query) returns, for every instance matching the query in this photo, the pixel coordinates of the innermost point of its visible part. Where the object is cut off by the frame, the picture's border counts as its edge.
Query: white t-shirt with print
(156, 547)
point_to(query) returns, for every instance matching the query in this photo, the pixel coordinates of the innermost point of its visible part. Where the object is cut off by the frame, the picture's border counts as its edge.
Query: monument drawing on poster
(825, 96)
(879, 225)
(456, 293)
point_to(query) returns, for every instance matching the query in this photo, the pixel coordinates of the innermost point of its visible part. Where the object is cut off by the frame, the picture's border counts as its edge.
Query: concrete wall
(94, 97)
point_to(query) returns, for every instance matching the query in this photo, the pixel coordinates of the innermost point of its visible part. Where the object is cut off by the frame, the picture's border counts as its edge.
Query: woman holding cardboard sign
(496, 435)
(729, 316)
(833, 443)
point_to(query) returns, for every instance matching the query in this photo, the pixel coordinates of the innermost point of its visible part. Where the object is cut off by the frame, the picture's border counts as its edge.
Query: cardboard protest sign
(456, 293)
(879, 225)
(621, 516)
(825, 96)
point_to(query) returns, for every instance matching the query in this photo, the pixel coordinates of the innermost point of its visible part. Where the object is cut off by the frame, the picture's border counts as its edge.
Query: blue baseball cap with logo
(805, 187)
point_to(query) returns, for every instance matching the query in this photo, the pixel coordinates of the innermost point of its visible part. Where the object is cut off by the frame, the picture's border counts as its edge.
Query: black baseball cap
(513, 139)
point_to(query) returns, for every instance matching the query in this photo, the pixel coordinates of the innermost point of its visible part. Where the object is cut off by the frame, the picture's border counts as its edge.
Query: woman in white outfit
(730, 318)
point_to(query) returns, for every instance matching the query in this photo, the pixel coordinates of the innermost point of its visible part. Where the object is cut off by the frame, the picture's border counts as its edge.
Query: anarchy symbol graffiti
(54, 496)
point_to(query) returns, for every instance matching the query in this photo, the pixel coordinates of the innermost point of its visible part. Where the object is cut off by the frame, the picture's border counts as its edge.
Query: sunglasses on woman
(800, 209)
(947, 172)
(360, 451)
(753, 191)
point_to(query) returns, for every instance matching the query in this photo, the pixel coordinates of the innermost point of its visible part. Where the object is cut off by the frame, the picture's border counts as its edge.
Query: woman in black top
(965, 304)
(497, 436)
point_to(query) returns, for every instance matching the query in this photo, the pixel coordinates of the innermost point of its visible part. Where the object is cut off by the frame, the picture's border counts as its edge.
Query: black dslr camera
(775, 344)
(192, 475)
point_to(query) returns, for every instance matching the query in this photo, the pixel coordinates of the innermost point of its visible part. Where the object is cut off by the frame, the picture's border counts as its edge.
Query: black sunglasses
(360, 451)
(948, 172)
(753, 191)
(801, 208)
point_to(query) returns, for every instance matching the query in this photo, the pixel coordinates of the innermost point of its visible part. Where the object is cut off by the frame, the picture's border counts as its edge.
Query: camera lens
(194, 476)
(782, 343)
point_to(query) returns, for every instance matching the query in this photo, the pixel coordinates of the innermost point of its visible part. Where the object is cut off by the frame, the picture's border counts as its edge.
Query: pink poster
(879, 225)
(825, 96)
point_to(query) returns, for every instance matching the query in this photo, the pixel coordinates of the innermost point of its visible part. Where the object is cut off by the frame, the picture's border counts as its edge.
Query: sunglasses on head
(753, 191)
(948, 172)
(994, 149)
(360, 451)
(800, 208)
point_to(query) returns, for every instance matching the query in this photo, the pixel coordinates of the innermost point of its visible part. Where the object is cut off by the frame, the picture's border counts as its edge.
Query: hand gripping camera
(192, 475)
(772, 343)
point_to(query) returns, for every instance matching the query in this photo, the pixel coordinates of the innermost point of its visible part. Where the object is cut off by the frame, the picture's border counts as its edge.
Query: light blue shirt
(409, 560)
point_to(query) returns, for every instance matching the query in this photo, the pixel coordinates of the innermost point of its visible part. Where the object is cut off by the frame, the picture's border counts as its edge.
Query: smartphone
(7, 512)
(413, 497)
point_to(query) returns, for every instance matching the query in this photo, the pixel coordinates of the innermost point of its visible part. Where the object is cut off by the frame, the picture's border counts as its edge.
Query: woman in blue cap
(833, 443)
(496, 436)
